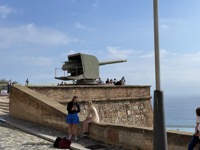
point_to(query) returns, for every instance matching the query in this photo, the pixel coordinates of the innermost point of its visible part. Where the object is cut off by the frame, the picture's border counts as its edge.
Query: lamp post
(159, 131)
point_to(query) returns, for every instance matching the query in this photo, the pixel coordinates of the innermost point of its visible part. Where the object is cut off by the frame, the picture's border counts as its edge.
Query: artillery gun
(83, 68)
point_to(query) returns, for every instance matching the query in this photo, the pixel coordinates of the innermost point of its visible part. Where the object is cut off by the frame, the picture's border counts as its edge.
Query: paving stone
(14, 139)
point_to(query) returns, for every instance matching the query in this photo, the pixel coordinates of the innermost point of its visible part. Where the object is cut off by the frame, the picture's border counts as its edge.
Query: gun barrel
(112, 62)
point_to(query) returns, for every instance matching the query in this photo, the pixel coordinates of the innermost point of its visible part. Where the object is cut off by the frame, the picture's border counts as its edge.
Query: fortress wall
(137, 138)
(93, 92)
(125, 105)
(29, 105)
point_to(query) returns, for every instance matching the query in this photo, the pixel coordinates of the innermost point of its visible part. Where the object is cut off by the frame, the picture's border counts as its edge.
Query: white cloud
(96, 3)
(78, 25)
(74, 1)
(177, 71)
(181, 71)
(165, 53)
(36, 61)
(162, 53)
(117, 52)
(170, 23)
(31, 34)
(5, 11)
(42, 77)
(148, 55)
(164, 26)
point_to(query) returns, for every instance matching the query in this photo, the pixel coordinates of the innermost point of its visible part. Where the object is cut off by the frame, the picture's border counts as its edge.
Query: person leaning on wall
(196, 136)
(91, 117)
(72, 117)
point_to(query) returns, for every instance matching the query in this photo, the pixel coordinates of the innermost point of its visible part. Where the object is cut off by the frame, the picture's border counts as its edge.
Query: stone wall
(137, 138)
(126, 105)
(93, 92)
(125, 112)
(29, 105)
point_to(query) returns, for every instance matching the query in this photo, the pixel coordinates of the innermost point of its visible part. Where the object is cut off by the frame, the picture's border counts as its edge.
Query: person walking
(91, 117)
(196, 136)
(72, 117)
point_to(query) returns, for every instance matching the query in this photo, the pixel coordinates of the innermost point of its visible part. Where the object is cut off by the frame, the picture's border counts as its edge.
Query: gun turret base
(86, 81)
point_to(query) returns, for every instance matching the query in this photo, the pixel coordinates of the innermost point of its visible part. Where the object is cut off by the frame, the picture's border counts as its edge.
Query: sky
(36, 36)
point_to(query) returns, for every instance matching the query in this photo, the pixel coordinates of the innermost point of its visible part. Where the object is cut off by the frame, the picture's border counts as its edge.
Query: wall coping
(90, 86)
(112, 99)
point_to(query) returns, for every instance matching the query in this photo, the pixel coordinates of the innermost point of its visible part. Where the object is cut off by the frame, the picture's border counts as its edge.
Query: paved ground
(14, 139)
(16, 134)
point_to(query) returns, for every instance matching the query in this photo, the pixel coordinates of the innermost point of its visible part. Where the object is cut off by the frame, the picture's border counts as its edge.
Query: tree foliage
(5, 81)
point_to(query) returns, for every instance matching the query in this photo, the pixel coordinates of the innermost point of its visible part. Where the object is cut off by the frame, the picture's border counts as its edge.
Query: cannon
(83, 68)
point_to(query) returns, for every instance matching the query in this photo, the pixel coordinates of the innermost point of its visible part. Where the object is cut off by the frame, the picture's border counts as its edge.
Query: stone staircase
(4, 105)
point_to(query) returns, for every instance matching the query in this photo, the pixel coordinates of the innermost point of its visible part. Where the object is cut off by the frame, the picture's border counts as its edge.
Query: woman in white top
(91, 117)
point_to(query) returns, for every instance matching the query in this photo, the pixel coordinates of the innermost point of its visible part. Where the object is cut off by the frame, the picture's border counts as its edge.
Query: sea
(180, 113)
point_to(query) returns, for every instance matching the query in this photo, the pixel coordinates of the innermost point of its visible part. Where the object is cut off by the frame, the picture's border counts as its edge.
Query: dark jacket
(70, 105)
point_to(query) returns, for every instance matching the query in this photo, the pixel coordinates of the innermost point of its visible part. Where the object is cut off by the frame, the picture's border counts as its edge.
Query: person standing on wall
(196, 136)
(27, 82)
(72, 117)
(91, 117)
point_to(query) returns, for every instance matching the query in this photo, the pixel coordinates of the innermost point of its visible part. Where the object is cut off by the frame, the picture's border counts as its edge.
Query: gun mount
(83, 68)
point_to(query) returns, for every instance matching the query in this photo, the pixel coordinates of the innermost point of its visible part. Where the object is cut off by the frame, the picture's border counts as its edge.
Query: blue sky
(36, 36)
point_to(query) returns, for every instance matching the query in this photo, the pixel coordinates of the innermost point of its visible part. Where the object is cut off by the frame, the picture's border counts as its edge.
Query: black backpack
(62, 143)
